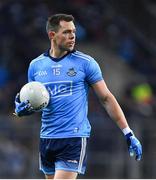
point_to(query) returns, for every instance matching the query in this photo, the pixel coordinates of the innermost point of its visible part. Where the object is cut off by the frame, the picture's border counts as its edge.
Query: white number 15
(56, 71)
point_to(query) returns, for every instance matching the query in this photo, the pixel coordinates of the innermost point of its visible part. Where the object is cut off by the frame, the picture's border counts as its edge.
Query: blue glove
(22, 108)
(134, 146)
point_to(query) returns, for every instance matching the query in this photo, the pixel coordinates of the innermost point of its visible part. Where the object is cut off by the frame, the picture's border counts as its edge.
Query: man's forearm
(114, 110)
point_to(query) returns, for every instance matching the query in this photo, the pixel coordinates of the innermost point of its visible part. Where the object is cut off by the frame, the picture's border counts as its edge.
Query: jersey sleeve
(93, 72)
(30, 73)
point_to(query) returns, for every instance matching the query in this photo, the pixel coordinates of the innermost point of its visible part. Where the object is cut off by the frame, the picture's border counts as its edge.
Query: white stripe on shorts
(40, 165)
(82, 154)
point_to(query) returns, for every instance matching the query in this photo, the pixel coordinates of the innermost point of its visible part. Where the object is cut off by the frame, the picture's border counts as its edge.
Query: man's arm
(111, 105)
(114, 110)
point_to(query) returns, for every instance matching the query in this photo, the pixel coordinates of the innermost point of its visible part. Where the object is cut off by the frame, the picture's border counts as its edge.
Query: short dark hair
(53, 21)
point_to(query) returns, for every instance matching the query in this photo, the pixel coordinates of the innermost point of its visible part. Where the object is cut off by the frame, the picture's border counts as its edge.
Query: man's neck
(57, 53)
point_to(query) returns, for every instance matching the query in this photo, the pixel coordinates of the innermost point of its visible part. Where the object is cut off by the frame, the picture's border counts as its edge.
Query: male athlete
(68, 74)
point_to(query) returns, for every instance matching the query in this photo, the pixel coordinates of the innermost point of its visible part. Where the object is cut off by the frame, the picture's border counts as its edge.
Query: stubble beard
(63, 48)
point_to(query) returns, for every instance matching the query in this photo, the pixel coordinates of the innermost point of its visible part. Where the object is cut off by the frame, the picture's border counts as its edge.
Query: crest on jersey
(71, 72)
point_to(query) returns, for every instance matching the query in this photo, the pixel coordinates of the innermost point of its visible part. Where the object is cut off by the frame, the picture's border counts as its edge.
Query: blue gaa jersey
(68, 80)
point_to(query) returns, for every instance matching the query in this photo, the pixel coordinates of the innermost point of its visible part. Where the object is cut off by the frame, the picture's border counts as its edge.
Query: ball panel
(36, 93)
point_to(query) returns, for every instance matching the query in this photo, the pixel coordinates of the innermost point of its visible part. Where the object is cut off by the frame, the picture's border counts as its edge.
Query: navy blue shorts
(67, 154)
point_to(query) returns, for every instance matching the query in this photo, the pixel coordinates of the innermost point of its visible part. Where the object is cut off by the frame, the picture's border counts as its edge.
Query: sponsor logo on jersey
(71, 72)
(56, 66)
(60, 88)
(41, 73)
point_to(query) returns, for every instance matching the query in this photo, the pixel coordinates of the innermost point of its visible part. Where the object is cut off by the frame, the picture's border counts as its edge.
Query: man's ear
(51, 34)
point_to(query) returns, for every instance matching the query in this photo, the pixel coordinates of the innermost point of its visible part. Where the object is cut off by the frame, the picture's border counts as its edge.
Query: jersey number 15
(56, 71)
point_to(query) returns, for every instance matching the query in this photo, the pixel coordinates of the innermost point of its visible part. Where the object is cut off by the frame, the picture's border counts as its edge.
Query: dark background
(121, 36)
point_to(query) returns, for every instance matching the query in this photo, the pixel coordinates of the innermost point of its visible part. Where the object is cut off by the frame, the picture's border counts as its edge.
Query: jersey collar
(57, 59)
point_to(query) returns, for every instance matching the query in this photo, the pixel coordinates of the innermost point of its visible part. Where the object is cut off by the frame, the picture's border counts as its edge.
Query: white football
(36, 93)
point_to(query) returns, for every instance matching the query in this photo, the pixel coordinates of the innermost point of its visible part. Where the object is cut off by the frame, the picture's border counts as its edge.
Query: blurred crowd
(23, 37)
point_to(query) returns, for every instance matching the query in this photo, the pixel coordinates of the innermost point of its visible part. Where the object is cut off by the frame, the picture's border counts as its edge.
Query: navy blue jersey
(67, 80)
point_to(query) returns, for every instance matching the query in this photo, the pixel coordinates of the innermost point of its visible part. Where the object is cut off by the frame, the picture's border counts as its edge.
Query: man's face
(64, 38)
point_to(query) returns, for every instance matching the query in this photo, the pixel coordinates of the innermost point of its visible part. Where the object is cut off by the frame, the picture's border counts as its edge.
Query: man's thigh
(61, 174)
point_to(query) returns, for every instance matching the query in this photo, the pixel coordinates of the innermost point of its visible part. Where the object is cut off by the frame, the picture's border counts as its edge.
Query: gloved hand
(134, 146)
(22, 108)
